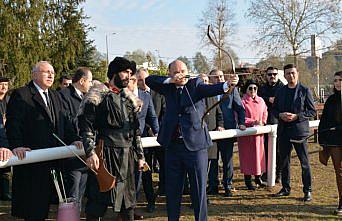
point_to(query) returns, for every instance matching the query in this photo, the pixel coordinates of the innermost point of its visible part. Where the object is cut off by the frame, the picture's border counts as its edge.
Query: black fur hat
(4, 79)
(120, 64)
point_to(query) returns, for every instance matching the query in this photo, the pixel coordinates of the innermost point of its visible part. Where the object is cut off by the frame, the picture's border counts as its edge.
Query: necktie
(47, 100)
(49, 106)
(179, 93)
(178, 133)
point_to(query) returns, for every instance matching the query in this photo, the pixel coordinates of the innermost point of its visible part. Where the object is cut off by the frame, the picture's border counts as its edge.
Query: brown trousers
(336, 155)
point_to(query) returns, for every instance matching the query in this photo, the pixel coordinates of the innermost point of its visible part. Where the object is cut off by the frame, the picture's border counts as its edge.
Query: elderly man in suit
(233, 117)
(184, 136)
(147, 115)
(214, 119)
(293, 106)
(159, 107)
(34, 114)
(76, 172)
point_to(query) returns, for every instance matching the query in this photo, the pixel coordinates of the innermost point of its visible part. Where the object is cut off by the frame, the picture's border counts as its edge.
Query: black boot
(248, 182)
(338, 211)
(212, 190)
(93, 218)
(264, 177)
(259, 182)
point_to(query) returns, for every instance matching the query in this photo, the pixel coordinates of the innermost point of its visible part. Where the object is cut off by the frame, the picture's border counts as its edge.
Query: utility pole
(113, 33)
(107, 49)
(315, 54)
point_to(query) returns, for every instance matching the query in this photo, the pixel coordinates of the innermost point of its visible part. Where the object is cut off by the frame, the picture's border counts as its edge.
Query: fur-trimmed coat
(111, 114)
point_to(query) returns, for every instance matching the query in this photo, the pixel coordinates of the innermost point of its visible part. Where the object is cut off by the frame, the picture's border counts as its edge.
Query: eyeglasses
(272, 74)
(252, 88)
(47, 72)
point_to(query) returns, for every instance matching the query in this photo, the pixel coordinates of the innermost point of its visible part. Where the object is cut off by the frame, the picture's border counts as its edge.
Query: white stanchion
(272, 156)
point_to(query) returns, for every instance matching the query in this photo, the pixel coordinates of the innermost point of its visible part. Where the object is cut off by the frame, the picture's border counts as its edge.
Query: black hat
(4, 79)
(120, 64)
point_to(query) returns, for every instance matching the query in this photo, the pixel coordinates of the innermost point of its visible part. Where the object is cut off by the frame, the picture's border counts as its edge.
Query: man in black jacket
(76, 172)
(34, 113)
(293, 106)
(267, 92)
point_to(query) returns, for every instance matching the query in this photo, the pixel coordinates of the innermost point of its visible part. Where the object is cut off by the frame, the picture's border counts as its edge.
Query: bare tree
(286, 25)
(219, 15)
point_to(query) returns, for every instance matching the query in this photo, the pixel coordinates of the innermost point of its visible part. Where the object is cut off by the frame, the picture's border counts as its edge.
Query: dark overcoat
(29, 124)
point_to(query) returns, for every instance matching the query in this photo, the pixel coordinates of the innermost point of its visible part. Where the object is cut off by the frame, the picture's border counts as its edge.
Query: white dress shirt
(40, 90)
(79, 93)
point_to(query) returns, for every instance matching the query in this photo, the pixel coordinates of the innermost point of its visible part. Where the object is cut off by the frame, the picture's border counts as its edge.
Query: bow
(231, 87)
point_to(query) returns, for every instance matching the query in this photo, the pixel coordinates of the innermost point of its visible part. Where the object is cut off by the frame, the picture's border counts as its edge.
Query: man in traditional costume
(110, 112)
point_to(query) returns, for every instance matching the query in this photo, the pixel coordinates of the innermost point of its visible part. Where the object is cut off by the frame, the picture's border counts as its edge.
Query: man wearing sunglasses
(267, 92)
(293, 105)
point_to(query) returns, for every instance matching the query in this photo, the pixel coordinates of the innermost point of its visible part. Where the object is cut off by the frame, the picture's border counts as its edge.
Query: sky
(167, 28)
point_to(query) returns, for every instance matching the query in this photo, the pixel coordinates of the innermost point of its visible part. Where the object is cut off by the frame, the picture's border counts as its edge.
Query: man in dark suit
(148, 116)
(63, 82)
(76, 172)
(183, 135)
(230, 108)
(293, 106)
(159, 107)
(214, 119)
(267, 92)
(34, 113)
(158, 103)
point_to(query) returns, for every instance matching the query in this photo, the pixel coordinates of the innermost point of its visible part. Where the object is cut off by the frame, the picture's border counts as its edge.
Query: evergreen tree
(33, 30)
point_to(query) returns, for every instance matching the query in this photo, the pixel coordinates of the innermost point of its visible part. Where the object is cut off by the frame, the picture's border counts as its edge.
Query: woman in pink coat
(251, 148)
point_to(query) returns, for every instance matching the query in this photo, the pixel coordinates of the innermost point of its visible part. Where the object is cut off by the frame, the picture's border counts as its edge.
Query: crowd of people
(113, 116)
